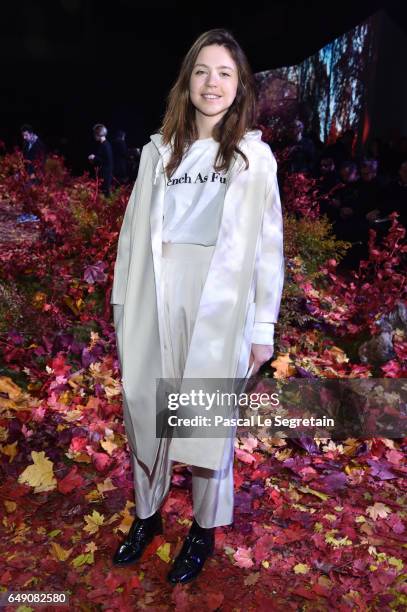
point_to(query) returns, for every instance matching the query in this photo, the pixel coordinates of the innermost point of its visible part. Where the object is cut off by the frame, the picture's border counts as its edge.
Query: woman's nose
(212, 79)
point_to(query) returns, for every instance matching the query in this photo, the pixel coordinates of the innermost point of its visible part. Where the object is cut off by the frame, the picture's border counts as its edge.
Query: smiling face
(213, 83)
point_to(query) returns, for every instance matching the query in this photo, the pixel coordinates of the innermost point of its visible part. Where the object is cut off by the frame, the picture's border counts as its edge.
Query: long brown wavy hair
(179, 119)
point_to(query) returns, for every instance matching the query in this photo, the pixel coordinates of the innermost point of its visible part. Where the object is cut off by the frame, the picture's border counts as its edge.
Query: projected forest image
(328, 90)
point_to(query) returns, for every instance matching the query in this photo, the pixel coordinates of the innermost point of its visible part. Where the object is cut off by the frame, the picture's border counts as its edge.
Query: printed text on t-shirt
(213, 177)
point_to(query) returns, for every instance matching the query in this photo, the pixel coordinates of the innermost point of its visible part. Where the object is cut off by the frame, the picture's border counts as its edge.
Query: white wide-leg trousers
(184, 270)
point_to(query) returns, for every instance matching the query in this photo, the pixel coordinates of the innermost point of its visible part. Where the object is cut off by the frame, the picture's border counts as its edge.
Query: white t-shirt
(193, 206)
(194, 197)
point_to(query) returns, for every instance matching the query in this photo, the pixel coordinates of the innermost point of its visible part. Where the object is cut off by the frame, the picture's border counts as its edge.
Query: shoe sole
(193, 577)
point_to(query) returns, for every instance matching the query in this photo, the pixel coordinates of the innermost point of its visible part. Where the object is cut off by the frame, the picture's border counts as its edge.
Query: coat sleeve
(270, 267)
(122, 264)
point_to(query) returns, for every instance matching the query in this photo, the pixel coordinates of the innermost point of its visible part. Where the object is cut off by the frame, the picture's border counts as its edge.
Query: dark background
(67, 64)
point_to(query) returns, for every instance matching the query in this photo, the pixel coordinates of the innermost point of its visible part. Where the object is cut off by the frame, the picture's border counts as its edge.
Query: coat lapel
(229, 263)
(220, 343)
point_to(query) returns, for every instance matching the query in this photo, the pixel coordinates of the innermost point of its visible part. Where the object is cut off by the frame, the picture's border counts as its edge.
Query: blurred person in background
(102, 157)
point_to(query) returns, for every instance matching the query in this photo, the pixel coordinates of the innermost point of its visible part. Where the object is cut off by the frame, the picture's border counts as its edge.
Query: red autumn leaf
(214, 600)
(73, 480)
(101, 461)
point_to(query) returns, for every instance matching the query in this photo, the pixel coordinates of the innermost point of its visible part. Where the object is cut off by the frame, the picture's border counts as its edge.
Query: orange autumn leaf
(127, 518)
(10, 450)
(10, 505)
(284, 366)
(59, 553)
(39, 299)
(17, 399)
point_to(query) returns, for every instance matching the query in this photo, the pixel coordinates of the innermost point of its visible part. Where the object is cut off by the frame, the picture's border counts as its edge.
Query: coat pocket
(244, 367)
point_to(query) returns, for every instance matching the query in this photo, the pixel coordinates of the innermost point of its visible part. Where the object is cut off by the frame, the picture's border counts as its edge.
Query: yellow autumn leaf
(251, 579)
(94, 521)
(378, 510)
(93, 496)
(59, 553)
(16, 398)
(360, 519)
(3, 434)
(283, 454)
(163, 552)
(112, 519)
(398, 563)
(301, 568)
(72, 416)
(350, 446)
(330, 517)
(9, 387)
(71, 304)
(184, 521)
(401, 579)
(113, 389)
(106, 485)
(127, 517)
(332, 447)
(103, 376)
(40, 475)
(82, 559)
(108, 445)
(79, 457)
(336, 542)
(91, 547)
(10, 450)
(94, 338)
(65, 398)
(10, 505)
(338, 354)
(303, 508)
(75, 381)
(322, 496)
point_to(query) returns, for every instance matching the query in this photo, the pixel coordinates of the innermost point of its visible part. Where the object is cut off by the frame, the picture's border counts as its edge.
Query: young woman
(197, 283)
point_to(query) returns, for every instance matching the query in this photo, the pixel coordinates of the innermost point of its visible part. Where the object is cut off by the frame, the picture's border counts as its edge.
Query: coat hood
(165, 149)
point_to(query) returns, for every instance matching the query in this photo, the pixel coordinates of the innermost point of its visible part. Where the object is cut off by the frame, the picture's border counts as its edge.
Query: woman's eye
(225, 73)
(199, 72)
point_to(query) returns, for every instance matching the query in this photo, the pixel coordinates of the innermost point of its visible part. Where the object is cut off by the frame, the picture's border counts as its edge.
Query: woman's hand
(260, 353)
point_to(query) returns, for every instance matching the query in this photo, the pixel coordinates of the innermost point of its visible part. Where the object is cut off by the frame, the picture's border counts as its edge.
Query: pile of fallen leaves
(318, 525)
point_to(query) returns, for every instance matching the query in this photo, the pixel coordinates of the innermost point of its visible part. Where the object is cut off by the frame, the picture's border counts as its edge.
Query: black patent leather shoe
(140, 534)
(198, 546)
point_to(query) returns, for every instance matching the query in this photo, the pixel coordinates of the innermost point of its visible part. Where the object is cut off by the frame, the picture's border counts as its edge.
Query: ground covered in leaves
(319, 525)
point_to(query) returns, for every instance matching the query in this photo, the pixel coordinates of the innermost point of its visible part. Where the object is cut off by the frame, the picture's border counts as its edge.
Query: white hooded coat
(244, 284)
